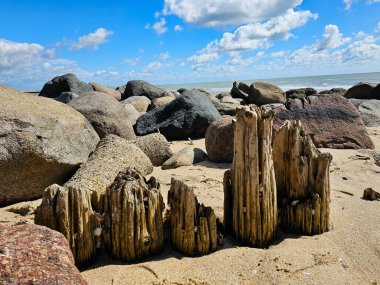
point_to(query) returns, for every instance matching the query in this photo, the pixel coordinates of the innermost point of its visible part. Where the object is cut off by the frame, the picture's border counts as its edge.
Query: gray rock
(185, 157)
(143, 88)
(219, 140)
(105, 114)
(133, 114)
(261, 93)
(121, 88)
(42, 142)
(155, 146)
(222, 95)
(225, 108)
(141, 103)
(239, 90)
(334, 91)
(362, 90)
(66, 97)
(376, 92)
(105, 89)
(369, 111)
(64, 83)
(188, 116)
(300, 93)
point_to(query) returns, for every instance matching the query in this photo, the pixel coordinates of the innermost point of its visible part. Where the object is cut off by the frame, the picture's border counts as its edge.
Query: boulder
(188, 116)
(334, 91)
(133, 114)
(261, 93)
(41, 142)
(155, 146)
(140, 103)
(143, 88)
(362, 90)
(239, 90)
(300, 93)
(121, 89)
(66, 97)
(105, 89)
(224, 108)
(223, 94)
(158, 102)
(371, 195)
(112, 155)
(331, 121)
(32, 254)
(219, 140)
(185, 157)
(369, 111)
(64, 83)
(105, 114)
(376, 92)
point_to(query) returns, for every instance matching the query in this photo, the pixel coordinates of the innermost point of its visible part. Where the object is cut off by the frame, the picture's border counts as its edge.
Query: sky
(184, 41)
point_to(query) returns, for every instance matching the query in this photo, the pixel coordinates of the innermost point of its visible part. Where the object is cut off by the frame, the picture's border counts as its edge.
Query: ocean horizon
(318, 82)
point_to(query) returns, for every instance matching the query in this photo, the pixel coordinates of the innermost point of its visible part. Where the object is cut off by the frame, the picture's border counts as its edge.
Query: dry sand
(348, 254)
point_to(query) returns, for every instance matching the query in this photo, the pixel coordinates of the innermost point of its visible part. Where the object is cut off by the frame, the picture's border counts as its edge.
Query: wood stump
(133, 226)
(68, 210)
(192, 225)
(302, 177)
(250, 199)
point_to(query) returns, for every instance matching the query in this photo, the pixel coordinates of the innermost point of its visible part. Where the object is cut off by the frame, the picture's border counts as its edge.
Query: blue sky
(181, 41)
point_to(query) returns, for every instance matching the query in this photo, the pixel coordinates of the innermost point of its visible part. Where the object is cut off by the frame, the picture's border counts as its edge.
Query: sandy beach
(348, 254)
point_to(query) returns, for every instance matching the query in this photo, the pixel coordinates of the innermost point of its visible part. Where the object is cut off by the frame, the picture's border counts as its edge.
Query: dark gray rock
(105, 114)
(261, 93)
(300, 93)
(42, 142)
(64, 83)
(239, 90)
(362, 90)
(369, 111)
(143, 88)
(66, 97)
(376, 92)
(188, 116)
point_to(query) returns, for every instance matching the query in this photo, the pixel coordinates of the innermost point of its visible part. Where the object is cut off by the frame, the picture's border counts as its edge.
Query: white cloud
(278, 54)
(160, 26)
(164, 56)
(178, 28)
(377, 30)
(332, 38)
(258, 35)
(224, 12)
(204, 57)
(132, 61)
(92, 40)
(348, 4)
(17, 54)
(153, 66)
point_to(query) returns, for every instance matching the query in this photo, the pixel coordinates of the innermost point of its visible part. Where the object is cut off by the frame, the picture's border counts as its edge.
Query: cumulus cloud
(160, 26)
(153, 66)
(259, 35)
(225, 12)
(132, 61)
(92, 40)
(178, 28)
(348, 3)
(332, 38)
(15, 54)
(164, 56)
(278, 54)
(204, 57)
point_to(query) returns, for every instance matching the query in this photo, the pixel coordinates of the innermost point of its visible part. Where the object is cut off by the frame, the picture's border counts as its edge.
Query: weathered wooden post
(192, 225)
(133, 226)
(250, 200)
(302, 177)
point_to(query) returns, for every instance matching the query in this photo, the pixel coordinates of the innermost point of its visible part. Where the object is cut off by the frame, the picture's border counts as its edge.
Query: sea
(320, 82)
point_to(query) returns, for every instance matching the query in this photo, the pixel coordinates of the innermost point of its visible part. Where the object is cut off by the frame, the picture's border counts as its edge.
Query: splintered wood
(133, 226)
(250, 213)
(192, 225)
(302, 177)
(69, 211)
